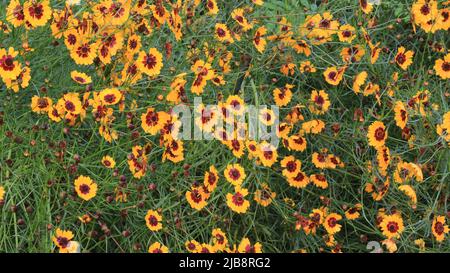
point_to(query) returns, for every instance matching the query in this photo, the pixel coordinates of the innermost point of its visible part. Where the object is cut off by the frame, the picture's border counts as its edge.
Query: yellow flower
(236, 201)
(392, 226)
(401, 115)
(267, 154)
(110, 96)
(10, 68)
(85, 187)
(158, 248)
(41, 105)
(442, 67)
(196, 198)
(153, 220)
(319, 102)
(153, 121)
(14, 13)
(377, 134)
(222, 33)
(108, 162)
(319, 180)
(439, 228)
(264, 196)
(219, 239)
(404, 58)
(366, 7)
(235, 174)
(334, 75)
(62, 239)
(150, 63)
(258, 39)
(331, 223)
(37, 13)
(80, 77)
(360, 79)
(410, 192)
(300, 180)
(2, 193)
(346, 33)
(245, 246)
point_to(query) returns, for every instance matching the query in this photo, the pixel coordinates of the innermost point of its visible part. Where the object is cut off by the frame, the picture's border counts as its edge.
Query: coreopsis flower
(410, 192)
(267, 154)
(206, 248)
(153, 220)
(321, 159)
(401, 115)
(359, 80)
(10, 68)
(288, 69)
(314, 126)
(346, 33)
(443, 18)
(2, 193)
(150, 63)
(383, 157)
(424, 11)
(173, 151)
(283, 95)
(319, 102)
(245, 246)
(264, 196)
(14, 13)
(352, 54)
(159, 12)
(235, 174)
(84, 51)
(192, 246)
(211, 6)
(404, 58)
(37, 13)
(85, 187)
(353, 212)
(374, 52)
(334, 75)
(219, 240)
(203, 73)
(439, 228)
(238, 16)
(377, 134)
(211, 178)
(158, 248)
(41, 104)
(406, 171)
(330, 223)
(291, 166)
(236, 201)
(118, 12)
(319, 180)
(108, 162)
(443, 129)
(301, 47)
(297, 143)
(442, 67)
(222, 33)
(110, 96)
(196, 198)
(366, 7)
(300, 180)
(267, 116)
(153, 121)
(80, 77)
(235, 105)
(392, 226)
(62, 239)
(259, 40)
(307, 67)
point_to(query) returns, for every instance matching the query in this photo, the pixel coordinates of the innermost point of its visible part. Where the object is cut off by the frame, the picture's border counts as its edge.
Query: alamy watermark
(225, 122)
